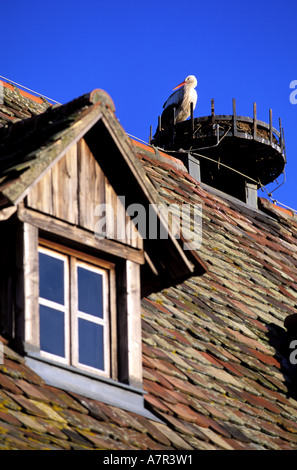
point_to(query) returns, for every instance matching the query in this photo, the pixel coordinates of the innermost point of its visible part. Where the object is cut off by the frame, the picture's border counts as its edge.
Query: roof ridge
(276, 208)
(37, 99)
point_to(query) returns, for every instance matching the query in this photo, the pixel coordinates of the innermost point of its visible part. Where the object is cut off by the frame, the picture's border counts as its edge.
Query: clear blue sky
(139, 50)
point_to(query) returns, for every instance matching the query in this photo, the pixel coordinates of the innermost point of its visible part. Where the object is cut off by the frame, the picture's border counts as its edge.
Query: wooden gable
(72, 190)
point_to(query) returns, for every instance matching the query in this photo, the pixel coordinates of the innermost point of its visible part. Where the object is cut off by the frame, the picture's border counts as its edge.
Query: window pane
(51, 278)
(52, 331)
(90, 298)
(91, 349)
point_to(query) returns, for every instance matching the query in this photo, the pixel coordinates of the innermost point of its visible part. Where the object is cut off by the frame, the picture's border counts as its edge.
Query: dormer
(74, 262)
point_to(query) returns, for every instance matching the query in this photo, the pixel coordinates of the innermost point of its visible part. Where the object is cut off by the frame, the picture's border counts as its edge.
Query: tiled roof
(35, 416)
(215, 346)
(215, 353)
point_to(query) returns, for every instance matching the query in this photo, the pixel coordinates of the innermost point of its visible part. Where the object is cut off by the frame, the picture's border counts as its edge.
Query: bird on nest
(181, 100)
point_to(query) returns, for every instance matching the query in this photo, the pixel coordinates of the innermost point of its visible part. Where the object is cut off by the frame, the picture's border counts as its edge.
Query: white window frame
(56, 306)
(72, 260)
(76, 315)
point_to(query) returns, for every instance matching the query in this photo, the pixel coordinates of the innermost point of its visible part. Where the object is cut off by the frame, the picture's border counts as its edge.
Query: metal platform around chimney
(249, 146)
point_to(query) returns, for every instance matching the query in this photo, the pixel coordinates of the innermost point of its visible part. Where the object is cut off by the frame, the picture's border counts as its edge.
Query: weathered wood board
(75, 189)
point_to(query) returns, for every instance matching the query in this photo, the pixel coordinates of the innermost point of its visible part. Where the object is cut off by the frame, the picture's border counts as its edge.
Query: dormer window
(82, 327)
(74, 310)
(72, 293)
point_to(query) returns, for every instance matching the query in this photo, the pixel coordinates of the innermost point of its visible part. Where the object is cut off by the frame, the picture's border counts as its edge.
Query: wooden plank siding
(90, 180)
(72, 189)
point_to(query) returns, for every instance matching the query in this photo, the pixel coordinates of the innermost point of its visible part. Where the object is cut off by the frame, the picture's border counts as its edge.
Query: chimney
(234, 154)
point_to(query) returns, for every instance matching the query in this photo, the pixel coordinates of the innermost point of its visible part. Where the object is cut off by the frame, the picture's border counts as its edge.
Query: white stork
(181, 100)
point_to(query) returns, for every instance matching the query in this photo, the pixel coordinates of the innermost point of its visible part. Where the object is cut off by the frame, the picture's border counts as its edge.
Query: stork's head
(190, 81)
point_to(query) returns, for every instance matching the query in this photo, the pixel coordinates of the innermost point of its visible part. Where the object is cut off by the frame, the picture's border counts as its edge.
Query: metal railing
(273, 136)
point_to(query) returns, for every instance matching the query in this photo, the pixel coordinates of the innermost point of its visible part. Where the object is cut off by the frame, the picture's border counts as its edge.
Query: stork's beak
(178, 86)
